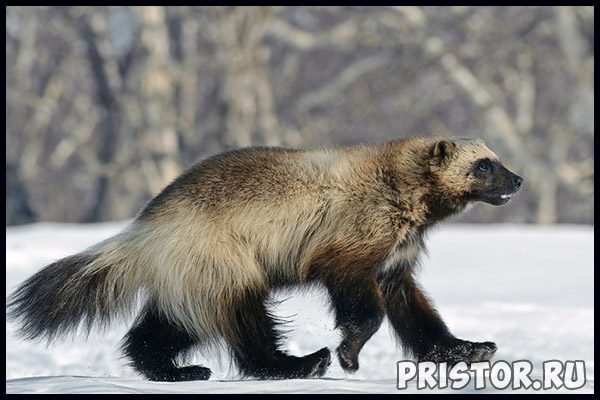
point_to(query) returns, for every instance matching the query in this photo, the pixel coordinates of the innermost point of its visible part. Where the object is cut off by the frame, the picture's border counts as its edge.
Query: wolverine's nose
(517, 182)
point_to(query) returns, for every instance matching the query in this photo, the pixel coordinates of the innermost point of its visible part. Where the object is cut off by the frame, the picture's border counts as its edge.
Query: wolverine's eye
(483, 166)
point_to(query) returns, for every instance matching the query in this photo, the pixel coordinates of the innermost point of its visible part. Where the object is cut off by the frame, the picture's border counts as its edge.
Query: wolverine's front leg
(358, 307)
(419, 326)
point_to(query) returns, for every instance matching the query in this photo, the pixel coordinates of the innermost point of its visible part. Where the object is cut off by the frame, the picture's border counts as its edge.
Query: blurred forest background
(106, 105)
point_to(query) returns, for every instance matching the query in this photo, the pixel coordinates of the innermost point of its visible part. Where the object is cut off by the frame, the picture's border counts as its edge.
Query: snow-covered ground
(527, 288)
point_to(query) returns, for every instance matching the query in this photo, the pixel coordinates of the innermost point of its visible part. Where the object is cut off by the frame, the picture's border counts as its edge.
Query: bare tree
(106, 105)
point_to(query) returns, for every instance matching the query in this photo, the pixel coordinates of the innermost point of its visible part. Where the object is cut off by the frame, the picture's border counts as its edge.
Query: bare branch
(342, 35)
(347, 77)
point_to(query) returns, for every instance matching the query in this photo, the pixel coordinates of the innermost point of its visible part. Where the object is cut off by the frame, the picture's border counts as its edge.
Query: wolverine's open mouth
(496, 199)
(503, 198)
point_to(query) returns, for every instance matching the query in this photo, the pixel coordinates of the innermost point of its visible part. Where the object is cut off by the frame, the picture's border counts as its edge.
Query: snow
(527, 288)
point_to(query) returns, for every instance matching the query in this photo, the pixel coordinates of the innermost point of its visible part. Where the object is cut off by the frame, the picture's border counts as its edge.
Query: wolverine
(203, 255)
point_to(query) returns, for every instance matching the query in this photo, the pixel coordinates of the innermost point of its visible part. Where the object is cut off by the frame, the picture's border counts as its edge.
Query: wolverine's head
(468, 169)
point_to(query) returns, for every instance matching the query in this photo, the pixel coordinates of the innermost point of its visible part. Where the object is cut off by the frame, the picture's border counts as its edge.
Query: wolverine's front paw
(459, 350)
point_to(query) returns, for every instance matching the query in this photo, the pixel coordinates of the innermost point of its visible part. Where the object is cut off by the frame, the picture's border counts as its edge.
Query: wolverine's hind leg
(255, 340)
(154, 342)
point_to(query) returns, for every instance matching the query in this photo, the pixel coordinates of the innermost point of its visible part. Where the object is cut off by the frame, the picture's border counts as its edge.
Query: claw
(485, 351)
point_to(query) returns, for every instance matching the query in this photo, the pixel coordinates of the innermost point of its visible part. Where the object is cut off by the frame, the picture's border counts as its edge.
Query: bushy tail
(75, 291)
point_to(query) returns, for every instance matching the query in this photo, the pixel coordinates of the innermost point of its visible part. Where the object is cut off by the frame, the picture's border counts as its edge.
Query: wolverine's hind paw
(323, 361)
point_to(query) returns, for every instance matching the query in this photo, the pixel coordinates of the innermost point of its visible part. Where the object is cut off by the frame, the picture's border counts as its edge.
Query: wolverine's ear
(443, 149)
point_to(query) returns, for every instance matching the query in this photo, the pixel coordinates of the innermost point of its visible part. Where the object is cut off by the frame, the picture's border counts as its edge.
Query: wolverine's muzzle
(498, 187)
(506, 185)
